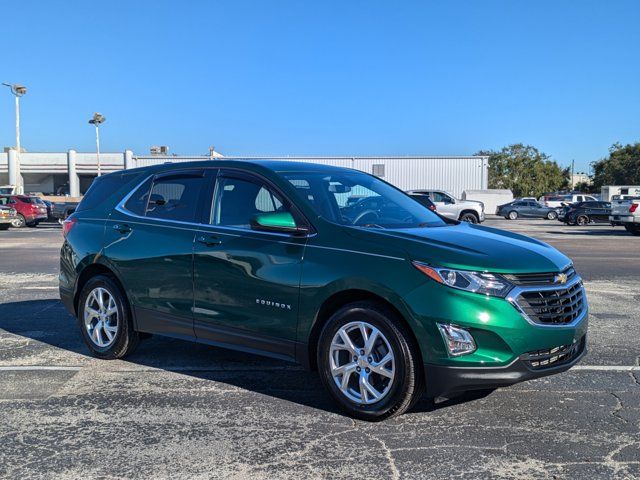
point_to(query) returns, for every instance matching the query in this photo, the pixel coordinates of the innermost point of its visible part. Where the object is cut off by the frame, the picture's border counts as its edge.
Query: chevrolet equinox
(330, 267)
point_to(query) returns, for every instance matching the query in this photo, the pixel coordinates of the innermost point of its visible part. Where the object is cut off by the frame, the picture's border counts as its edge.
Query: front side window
(355, 198)
(238, 200)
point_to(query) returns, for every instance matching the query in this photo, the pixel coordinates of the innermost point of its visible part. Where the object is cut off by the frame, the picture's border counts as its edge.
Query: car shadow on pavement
(596, 231)
(50, 325)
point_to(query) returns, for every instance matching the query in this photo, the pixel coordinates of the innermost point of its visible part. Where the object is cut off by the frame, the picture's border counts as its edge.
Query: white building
(72, 172)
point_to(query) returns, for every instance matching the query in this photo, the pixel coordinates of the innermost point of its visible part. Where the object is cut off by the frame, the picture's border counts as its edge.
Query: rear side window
(100, 190)
(175, 197)
(26, 199)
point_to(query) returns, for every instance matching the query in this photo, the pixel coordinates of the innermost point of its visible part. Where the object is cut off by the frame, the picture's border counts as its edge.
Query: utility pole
(96, 120)
(573, 163)
(18, 91)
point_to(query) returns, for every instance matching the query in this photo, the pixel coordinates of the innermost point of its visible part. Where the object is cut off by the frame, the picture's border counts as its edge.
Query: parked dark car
(526, 208)
(61, 210)
(424, 200)
(384, 297)
(583, 213)
(31, 210)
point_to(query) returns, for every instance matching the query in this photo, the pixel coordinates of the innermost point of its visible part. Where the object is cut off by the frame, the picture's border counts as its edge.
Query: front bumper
(442, 380)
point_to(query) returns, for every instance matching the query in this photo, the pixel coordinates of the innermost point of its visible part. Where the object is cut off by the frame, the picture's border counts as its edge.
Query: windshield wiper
(371, 225)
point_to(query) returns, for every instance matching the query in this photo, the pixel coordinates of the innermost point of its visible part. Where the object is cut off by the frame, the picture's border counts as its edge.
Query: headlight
(476, 282)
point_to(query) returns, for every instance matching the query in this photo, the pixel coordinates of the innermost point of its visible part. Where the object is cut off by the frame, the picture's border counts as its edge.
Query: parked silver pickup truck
(448, 206)
(626, 212)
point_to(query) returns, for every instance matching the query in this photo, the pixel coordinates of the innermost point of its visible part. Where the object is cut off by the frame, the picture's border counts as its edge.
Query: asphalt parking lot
(176, 409)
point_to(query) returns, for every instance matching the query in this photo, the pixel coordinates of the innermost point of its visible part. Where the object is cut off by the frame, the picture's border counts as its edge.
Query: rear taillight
(67, 225)
(633, 207)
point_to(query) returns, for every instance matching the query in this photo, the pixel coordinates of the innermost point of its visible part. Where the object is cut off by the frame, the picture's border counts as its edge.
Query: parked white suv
(451, 207)
(626, 212)
(556, 201)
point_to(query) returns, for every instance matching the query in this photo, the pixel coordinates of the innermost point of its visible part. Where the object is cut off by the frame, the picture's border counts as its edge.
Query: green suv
(329, 267)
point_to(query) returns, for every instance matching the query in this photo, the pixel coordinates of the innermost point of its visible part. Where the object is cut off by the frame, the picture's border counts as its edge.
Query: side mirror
(282, 222)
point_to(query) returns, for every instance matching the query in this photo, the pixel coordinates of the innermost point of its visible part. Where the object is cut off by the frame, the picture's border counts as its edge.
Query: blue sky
(325, 78)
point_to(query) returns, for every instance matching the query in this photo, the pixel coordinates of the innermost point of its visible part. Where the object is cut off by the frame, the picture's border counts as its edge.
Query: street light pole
(96, 120)
(17, 91)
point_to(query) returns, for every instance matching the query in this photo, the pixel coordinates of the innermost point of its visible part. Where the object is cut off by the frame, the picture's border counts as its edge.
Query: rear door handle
(209, 240)
(122, 228)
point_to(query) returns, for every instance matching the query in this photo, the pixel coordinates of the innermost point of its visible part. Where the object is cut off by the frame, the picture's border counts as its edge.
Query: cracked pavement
(177, 409)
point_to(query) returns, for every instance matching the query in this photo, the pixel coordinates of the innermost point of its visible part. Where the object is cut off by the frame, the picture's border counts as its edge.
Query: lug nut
(367, 370)
(361, 352)
(358, 369)
(355, 358)
(369, 359)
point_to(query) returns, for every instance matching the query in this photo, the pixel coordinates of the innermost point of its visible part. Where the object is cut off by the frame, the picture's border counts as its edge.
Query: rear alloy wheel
(469, 218)
(513, 215)
(367, 362)
(582, 220)
(104, 318)
(18, 222)
(552, 215)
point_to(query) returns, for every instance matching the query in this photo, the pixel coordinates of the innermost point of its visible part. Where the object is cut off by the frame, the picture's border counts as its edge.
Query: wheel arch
(338, 300)
(471, 211)
(89, 272)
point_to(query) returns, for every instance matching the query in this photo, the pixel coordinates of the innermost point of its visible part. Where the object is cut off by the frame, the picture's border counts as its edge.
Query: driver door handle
(209, 240)
(122, 228)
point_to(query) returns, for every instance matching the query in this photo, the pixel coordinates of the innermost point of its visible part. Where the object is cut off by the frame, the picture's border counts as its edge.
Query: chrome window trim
(512, 297)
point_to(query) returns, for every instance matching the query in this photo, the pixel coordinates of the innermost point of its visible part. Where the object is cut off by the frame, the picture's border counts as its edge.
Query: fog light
(458, 340)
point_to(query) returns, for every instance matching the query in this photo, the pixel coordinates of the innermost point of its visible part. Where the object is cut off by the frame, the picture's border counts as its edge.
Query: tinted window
(519, 204)
(26, 199)
(422, 199)
(137, 203)
(589, 204)
(100, 190)
(238, 200)
(4, 201)
(175, 198)
(378, 204)
(440, 197)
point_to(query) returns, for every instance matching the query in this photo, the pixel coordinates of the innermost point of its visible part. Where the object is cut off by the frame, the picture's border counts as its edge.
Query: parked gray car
(526, 208)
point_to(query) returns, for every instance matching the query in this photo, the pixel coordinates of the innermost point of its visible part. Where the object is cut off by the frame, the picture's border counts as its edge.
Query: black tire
(632, 229)
(582, 220)
(32, 224)
(408, 382)
(469, 217)
(512, 215)
(19, 222)
(126, 338)
(4, 226)
(552, 215)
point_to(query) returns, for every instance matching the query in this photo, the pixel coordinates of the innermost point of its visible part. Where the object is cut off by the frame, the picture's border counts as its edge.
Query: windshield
(358, 199)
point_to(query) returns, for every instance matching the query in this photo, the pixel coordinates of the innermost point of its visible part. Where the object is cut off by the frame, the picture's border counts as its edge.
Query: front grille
(554, 357)
(547, 278)
(553, 307)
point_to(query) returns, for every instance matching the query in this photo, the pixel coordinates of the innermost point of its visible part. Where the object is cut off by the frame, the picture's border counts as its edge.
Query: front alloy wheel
(513, 215)
(362, 363)
(582, 220)
(18, 222)
(369, 362)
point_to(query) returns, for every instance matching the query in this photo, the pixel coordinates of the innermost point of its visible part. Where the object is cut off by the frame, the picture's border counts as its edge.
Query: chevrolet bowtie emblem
(560, 278)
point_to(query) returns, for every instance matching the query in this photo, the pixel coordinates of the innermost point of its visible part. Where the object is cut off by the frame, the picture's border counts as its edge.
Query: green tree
(525, 171)
(621, 167)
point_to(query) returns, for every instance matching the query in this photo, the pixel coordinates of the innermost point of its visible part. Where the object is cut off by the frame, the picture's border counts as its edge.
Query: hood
(471, 247)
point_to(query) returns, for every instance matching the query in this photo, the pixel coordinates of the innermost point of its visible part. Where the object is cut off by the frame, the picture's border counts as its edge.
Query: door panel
(246, 282)
(150, 245)
(154, 262)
